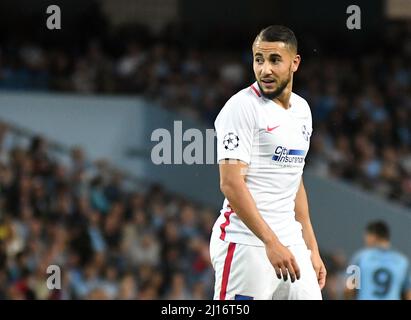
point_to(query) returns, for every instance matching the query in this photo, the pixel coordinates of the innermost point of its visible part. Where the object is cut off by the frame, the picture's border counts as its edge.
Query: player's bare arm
(302, 215)
(233, 186)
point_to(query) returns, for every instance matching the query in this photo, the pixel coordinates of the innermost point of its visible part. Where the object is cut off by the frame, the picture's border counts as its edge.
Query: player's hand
(319, 268)
(283, 261)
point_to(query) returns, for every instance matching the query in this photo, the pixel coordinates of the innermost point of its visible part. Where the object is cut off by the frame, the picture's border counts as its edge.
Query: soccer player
(263, 245)
(384, 273)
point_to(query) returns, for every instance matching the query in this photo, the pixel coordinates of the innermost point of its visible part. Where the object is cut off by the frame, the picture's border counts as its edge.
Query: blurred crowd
(109, 242)
(187, 80)
(362, 116)
(361, 104)
(116, 243)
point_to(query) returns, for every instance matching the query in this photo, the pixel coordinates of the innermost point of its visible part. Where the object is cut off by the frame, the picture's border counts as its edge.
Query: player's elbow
(228, 186)
(223, 187)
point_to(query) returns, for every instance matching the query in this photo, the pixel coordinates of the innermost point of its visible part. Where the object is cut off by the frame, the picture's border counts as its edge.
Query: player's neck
(284, 98)
(382, 244)
(385, 245)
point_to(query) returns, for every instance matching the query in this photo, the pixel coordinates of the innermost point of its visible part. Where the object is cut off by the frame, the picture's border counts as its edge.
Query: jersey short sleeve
(235, 130)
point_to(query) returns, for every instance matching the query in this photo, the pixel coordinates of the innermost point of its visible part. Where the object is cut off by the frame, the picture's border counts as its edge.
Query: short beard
(277, 92)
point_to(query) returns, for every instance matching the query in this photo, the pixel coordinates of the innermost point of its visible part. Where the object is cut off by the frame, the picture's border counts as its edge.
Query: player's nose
(266, 70)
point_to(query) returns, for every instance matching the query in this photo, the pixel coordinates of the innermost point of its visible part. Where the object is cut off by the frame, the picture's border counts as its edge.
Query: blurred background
(78, 106)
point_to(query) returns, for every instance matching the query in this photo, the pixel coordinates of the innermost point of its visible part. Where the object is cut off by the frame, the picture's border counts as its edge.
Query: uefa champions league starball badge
(306, 133)
(230, 141)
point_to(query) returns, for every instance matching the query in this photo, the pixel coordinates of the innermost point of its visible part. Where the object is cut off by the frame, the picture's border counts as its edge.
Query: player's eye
(259, 60)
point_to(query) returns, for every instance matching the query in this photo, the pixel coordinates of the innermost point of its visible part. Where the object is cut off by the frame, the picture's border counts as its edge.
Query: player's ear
(296, 62)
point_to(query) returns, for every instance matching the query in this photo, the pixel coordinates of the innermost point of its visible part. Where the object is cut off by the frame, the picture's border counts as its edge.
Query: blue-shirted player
(384, 272)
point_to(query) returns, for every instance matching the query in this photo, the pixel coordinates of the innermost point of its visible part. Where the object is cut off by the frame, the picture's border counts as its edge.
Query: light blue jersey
(385, 274)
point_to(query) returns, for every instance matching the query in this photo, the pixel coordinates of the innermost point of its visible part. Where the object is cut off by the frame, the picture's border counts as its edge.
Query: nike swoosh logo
(271, 129)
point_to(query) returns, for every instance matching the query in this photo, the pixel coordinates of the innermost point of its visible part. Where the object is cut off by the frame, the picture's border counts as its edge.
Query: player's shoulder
(362, 253)
(399, 256)
(362, 256)
(299, 102)
(298, 98)
(393, 253)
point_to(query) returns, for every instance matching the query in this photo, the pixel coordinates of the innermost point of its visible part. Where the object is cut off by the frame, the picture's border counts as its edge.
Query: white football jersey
(274, 142)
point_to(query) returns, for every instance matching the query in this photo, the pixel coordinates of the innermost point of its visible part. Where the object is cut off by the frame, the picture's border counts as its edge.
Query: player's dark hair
(379, 228)
(278, 33)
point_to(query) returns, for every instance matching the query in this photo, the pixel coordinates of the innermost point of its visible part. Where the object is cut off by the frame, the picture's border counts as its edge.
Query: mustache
(280, 88)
